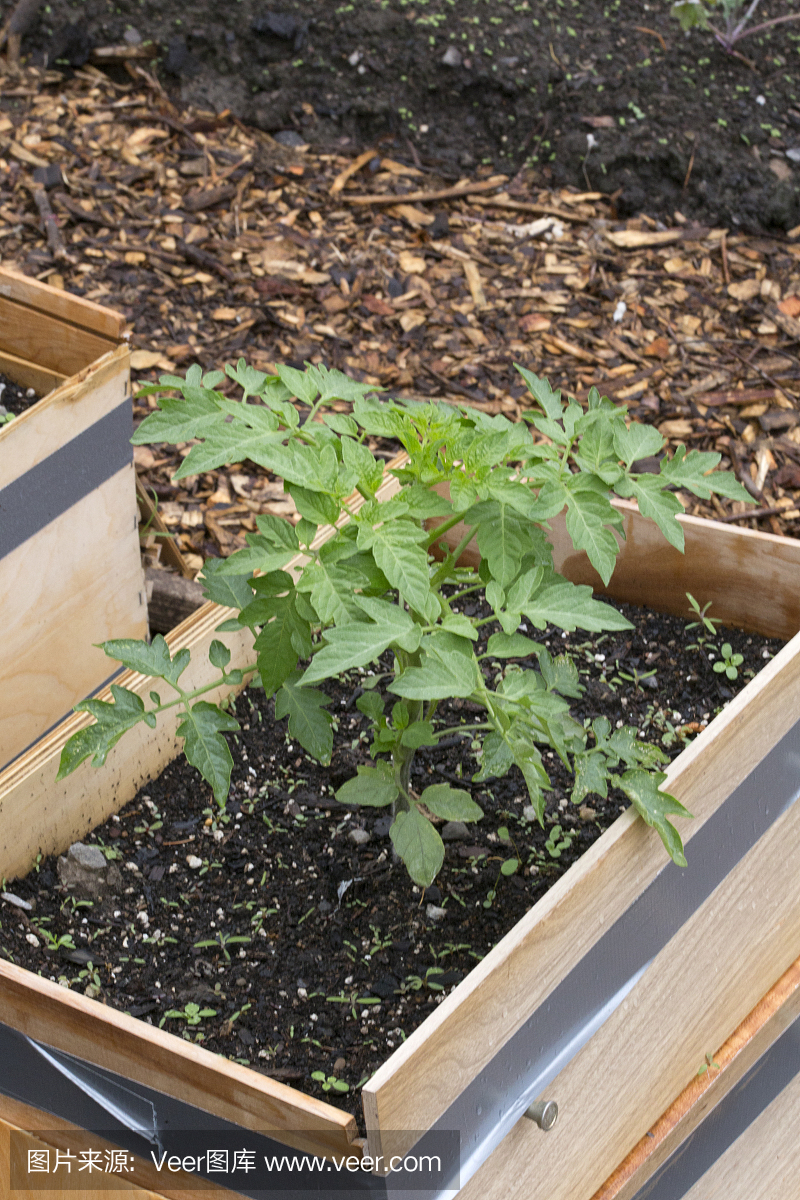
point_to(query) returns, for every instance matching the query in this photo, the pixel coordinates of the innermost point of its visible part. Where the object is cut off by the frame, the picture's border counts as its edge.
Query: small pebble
(32, 939)
(193, 862)
(339, 1065)
(359, 836)
(455, 831)
(17, 901)
(434, 913)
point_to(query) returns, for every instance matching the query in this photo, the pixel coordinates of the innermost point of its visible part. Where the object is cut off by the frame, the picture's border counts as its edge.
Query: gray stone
(359, 836)
(84, 869)
(17, 901)
(434, 913)
(454, 831)
(452, 57)
(132, 36)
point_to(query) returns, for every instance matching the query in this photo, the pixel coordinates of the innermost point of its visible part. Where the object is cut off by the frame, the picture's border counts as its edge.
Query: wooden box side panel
(41, 297)
(76, 583)
(40, 1131)
(733, 568)
(53, 343)
(74, 407)
(29, 375)
(690, 999)
(421, 1079)
(757, 1033)
(137, 1051)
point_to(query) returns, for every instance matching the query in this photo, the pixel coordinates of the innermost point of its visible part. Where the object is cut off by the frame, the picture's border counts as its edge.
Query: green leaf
(231, 591)
(586, 517)
(512, 645)
(201, 727)
(149, 660)
(540, 389)
(419, 846)
(654, 806)
(372, 786)
(502, 539)
(112, 719)
(316, 507)
(496, 758)
(451, 804)
(281, 642)
(259, 555)
(218, 654)
(371, 704)
(398, 549)
(636, 441)
(591, 775)
(655, 503)
(419, 733)
(459, 624)
(298, 383)
(571, 606)
(341, 424)
(357, 643)
(695, 471)
(448, 669)
(560, 674)
(308, 721)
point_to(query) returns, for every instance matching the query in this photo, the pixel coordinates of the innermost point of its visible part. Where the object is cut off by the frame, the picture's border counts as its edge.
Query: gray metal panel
(65, 477)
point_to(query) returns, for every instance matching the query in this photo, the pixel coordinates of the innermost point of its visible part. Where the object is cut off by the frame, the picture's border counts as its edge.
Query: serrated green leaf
(372, 786)
(571, 606)
(448, 669)
(201, 727)
(451, 804)
(540, 389)
(419, 846)
(342, 424)
(281, 641)
(655, 503)
(591, 776)
(308, 721)
(512, 645)
(655, 806)
(419, 733)
(496, 758)
(586, 515)
(502, 540)
(313, 506)
(231, 591)
(560, 673)
(371, 704)
(260, 555)
(277, 531)
(398, 549)
(154, 659)
(112, 719)
(356, 643)
(636, 441)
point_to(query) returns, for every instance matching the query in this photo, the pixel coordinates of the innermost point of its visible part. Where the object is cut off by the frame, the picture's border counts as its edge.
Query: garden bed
(602, 971)
(284, 936)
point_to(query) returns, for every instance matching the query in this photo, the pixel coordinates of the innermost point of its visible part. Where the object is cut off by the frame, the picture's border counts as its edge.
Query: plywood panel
(138, 1051)
(38, 1130)
(76, 583)
(29, 375)
(44, 339)
(73, 407)
(64, 305)
(762, 1164)
(756, 1034)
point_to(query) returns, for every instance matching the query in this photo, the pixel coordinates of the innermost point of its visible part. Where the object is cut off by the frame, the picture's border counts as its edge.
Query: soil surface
(608, 96)
(14, 399)
(281, 934)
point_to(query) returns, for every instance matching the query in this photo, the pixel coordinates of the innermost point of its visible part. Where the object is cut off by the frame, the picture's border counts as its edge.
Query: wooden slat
(46, 340)
(762, 1164)
(417, 1084)
(759, 1030)
(41, 297)
(138, 1051)
(73, 407)
(76, 583)
(28, 375)
(733, 568)
(38, 1130)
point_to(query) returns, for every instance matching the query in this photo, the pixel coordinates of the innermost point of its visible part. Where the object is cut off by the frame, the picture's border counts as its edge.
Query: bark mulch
(218, 241)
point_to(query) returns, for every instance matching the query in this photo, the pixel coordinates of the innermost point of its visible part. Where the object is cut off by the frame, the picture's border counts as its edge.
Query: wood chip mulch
(219, 242)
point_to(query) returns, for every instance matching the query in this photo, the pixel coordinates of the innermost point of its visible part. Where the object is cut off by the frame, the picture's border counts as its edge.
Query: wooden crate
(732, 1133)
(70, 572)
(618, 1069)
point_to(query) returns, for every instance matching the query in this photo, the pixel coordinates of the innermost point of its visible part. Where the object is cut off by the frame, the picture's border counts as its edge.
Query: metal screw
(544, 1113)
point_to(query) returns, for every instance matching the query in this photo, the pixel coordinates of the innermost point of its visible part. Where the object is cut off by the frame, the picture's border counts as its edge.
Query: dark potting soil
(14, 399)
(301, 945)
(608, 97)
